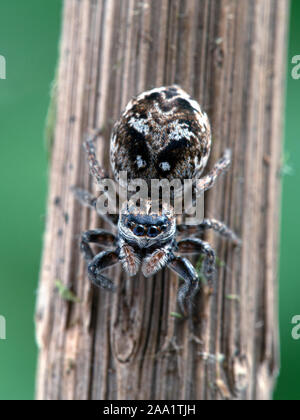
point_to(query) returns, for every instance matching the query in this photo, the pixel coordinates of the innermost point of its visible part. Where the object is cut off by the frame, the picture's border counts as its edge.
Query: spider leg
(197, 246)
(99, 263)
(189, 289)
(100, 175)
(96, 169)
(203, 184)
(84, 197)
(213, 224)
(88, 200)
(98, 236)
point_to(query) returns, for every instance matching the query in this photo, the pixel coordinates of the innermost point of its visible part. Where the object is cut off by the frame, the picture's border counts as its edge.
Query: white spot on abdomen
(140, 162)
(165, 166)
(139, 125)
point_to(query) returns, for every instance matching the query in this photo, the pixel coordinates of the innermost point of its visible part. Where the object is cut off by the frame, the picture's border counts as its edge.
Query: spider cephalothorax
(145, 238)
(143, 227)
(163, 134)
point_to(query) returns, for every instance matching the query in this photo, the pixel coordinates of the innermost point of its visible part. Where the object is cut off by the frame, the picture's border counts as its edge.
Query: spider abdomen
(162, 134)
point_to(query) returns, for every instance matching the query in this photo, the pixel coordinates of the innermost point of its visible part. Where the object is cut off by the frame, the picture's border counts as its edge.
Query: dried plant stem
(230, 56)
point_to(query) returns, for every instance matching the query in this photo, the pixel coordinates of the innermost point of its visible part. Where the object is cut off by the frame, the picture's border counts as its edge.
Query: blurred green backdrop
(29, 35)
(288, 386)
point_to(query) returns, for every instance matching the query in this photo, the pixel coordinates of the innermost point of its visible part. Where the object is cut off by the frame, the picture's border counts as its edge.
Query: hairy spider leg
(197, 246)
(220, 227)
(100, 262)
(189, 289)
(206, 182)
(100, 237)
(96, 169)
(88, 200)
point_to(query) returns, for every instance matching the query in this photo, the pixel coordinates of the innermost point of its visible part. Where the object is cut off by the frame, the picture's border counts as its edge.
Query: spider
(162, 134)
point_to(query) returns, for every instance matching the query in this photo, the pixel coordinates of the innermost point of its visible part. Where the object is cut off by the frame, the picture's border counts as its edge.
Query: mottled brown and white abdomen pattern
(162, 134)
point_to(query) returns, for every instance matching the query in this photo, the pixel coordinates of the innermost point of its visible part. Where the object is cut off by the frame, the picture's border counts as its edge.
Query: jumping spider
(162, 134)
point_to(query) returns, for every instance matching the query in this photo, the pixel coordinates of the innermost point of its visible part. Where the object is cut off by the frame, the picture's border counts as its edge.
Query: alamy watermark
(2, 67)
(296, 328)
(2, 328)
(177, 194)
(296, 68)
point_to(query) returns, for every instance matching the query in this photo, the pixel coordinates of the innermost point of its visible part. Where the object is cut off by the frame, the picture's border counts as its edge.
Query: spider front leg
(100, 237)
(102, 260)
(99, 263)
(99, 174)
(203, 184)
(188, 291)
(197, 246)
(96, 169)
(219, 227)
(86, 199)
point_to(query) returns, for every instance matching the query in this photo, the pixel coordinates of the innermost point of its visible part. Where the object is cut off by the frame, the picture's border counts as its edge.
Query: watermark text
(296, 328)
(2, 328)
(177, 193)
(2, 67)
(296, 68)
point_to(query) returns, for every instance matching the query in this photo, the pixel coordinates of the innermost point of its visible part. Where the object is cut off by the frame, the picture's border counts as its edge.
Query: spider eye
(139, 230)
(152, 231)
(129, 225)
(163, 227)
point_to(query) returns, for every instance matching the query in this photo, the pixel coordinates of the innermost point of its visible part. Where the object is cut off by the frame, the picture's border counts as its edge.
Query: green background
(29, 35)
(288, 386)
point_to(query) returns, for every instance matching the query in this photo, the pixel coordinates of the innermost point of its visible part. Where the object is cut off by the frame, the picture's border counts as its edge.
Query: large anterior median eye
(152, 231)
(139, 230)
